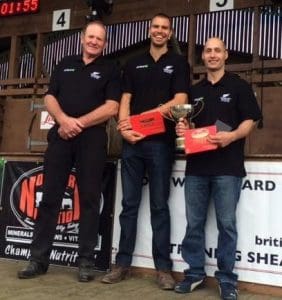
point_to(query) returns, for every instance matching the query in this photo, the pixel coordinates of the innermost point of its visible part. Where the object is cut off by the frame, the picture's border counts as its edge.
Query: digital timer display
(18, 7)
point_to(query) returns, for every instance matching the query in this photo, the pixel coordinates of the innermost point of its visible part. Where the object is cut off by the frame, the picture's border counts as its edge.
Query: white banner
(259, 254)
(46, 120)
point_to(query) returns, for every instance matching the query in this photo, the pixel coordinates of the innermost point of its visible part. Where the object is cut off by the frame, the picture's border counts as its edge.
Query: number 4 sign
(221, 5)
(61, 19)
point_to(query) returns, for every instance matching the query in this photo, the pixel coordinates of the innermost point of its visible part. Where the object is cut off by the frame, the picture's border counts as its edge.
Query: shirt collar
(221, 82)
(97, 60)
(167, 53)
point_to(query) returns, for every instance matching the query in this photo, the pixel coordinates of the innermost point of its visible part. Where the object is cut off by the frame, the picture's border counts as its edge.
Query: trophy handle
(167, 117)
(201, 101)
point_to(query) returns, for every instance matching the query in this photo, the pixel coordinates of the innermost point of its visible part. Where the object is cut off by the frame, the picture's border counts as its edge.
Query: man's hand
(222, 138)
(125, 128)
(124, 124)
(181, 127)
(165, 112)
(132, 136)
(70, 128)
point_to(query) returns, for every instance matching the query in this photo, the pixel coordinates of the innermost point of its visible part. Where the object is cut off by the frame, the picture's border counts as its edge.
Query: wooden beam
(267, 64)
(17, 81)
(272, 64)
(43, 80)
(16, 92)
(260, 78)
(39, 67)
(14, 59)
(256, 35)
(192, 41)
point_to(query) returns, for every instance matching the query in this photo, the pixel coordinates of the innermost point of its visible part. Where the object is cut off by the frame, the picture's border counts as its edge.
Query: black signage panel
(21, 197)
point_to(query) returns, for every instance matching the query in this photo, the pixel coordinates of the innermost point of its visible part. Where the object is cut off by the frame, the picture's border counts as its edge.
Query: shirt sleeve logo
(225, 98)
(168, 69)
(95, 75)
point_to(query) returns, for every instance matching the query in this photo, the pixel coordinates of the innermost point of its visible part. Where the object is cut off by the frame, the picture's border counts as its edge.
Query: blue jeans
(155, 158)
(225, 192)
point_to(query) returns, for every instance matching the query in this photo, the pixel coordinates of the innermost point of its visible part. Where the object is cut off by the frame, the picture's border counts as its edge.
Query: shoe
(228, 291)
(85, 272)
(165, 280)
(33, 269)
(116, 275)
(187, 285)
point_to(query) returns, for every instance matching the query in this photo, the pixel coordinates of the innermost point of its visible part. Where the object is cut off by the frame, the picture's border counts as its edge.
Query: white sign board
(216, 5)
(259, 251)
(61, 19)
(46, 121)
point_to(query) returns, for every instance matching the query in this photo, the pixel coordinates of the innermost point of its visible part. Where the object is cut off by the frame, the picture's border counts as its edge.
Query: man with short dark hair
(154, 81)
(229, 102)
(84, 93)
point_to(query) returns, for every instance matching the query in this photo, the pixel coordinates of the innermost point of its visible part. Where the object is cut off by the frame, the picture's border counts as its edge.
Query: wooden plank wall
(20, 120)
(123, 11)
(263, 143)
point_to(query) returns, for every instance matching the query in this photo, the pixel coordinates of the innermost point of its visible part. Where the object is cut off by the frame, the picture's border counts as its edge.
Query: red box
(148, 123)
(196, 139)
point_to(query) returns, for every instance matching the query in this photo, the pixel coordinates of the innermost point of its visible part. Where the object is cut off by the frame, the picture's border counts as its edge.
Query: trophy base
(180, 143)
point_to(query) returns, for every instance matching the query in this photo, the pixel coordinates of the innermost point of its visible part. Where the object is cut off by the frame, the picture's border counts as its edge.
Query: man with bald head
(84, 92)
(229, 102)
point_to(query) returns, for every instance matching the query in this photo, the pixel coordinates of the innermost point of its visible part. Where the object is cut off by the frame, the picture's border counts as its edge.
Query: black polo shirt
(231, 100)
(81, 88)
(153, 83)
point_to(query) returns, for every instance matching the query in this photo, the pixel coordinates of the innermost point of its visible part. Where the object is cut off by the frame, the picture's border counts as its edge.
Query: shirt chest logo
(168, 69)
(69, 70)
(95, 75)
(225, 98)
(142, 66)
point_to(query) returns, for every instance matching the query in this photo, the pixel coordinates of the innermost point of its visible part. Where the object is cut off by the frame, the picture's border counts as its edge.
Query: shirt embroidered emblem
(95, 75)
(168, 69)
(69, 70)
(225, 98)
(142, 66)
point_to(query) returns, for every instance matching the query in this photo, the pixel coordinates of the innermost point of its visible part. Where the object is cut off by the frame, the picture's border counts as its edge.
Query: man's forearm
(244, 129)
(54, 108)
(180, 98)
(100, 114)
(124, 109)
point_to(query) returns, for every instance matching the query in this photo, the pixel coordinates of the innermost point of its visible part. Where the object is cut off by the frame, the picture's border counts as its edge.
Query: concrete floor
(60, 283)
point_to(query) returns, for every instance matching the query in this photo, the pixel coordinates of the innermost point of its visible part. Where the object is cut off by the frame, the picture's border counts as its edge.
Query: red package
(148, 123)
(196, 139)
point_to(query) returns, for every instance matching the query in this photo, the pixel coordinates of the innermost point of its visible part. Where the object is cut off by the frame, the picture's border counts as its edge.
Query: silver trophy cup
(181, 111)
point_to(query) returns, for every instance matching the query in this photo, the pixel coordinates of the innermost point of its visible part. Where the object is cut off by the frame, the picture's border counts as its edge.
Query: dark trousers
(87, 153)
(155, 158)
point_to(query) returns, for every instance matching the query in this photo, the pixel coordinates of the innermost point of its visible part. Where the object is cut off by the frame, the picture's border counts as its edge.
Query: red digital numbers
(11, 8)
